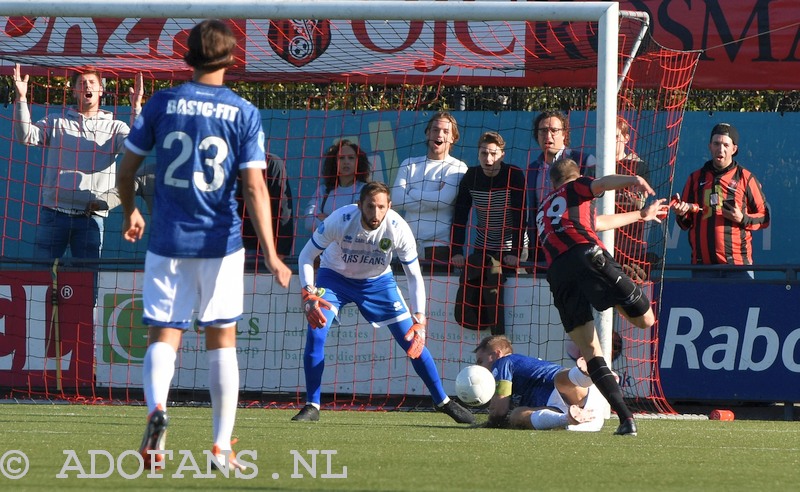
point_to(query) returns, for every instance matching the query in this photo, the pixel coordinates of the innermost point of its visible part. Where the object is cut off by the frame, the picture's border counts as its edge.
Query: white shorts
(178, 290)
(594, 401)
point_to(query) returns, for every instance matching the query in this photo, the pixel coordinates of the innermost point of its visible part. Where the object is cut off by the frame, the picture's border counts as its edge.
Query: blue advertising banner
(733, 341)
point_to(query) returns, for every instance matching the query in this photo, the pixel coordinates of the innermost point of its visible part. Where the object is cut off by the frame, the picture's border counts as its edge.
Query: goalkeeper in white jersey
(357, 243)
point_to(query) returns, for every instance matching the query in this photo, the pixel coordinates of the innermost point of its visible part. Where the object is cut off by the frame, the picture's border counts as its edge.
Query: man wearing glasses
(551, 129)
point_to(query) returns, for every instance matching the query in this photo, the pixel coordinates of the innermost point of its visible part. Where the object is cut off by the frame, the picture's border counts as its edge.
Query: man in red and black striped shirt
(582, 274)
(731, 206)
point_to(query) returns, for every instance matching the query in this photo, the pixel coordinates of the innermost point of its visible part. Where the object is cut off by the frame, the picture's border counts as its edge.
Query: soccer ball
(475, 385)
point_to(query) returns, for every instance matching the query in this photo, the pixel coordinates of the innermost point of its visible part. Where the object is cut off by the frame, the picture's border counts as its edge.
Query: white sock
(579, 378)
(545, 419)
(157, 372)
(223, 384)
(315, 405)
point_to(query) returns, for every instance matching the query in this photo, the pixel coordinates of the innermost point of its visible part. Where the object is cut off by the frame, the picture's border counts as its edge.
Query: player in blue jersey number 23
(204, 136)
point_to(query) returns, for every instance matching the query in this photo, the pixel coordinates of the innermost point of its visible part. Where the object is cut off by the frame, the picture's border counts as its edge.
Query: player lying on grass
(536, 394)
(357, 243)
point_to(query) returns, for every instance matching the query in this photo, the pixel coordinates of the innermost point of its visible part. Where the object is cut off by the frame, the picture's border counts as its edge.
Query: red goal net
(375, 83)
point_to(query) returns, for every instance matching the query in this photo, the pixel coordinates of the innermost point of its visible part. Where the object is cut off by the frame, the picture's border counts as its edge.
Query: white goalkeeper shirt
(80, 162)
(358, 253)
(426, 190)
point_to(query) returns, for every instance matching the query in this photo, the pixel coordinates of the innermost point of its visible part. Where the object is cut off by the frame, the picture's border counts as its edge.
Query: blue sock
(314, 362)
(424, 365)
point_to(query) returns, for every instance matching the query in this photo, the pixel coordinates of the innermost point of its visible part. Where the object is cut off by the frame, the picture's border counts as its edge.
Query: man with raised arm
(80, 169)
(552, 133)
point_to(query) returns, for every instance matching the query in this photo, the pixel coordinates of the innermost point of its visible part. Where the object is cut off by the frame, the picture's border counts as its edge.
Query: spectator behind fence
(552, 132)
(630, 243)
(426, 187)
(80, 169)
(729, 204)
(496, 191)
(280, 196)
(345, 170)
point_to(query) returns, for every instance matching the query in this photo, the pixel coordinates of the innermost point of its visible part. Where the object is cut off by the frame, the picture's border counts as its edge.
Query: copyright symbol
(14, 464)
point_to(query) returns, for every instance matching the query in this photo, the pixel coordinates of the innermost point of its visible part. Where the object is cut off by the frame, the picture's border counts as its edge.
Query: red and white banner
(46, 335)
(751, 44)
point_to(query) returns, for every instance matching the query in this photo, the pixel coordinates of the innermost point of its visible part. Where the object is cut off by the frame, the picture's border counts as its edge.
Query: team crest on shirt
(298, 41)
(321, 227)
(385, 244)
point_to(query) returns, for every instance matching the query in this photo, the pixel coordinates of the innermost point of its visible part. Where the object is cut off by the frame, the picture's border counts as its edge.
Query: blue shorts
(378, 299)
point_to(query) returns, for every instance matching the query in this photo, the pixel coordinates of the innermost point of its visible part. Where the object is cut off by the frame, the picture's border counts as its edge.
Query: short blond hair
(495, 342)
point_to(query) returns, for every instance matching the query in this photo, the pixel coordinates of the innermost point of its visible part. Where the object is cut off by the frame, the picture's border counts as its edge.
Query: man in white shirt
(426, 188)
(357, 243)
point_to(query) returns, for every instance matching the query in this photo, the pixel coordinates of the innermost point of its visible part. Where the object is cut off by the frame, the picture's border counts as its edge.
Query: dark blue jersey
(532, 379)
(203, 136)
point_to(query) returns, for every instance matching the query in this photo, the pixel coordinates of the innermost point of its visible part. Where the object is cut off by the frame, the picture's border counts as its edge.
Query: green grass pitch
(400, 451)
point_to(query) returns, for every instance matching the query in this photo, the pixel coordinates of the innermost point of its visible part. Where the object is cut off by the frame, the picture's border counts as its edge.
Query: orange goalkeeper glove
(311, 305)
(416, 335)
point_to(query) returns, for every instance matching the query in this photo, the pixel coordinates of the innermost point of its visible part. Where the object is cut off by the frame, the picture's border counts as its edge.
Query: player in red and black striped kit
(731, 206)
(582, 274)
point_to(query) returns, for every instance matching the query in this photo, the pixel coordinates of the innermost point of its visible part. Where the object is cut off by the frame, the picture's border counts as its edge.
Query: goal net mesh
(375, 83)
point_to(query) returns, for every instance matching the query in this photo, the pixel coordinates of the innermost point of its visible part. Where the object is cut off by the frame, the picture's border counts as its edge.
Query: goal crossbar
(307, 9)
